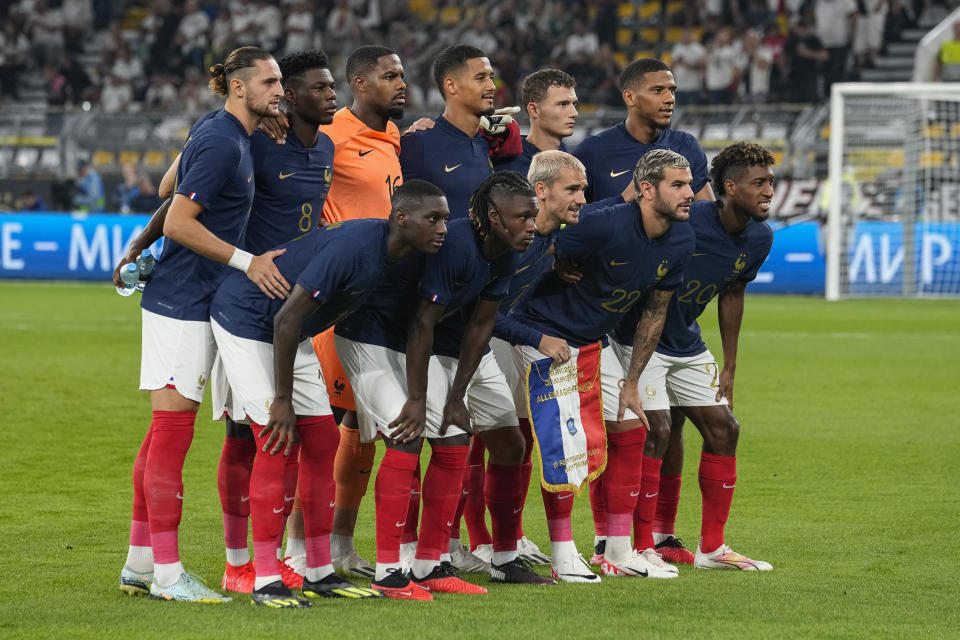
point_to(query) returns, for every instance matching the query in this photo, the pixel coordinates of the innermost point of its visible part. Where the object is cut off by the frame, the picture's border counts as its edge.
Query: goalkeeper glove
(498, 122)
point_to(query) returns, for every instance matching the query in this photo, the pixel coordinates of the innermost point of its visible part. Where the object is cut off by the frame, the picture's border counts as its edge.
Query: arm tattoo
(647, 336)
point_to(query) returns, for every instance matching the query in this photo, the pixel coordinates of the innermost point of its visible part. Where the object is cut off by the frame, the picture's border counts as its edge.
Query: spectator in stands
(56, 89)
(759, 13)
(688, 61)
(222, 39)
(805, 53)
(46, 30)
(836, 22)
(775, 40)
(135, 193)
(160, 29)
(949, 58)
(30, 201)
(192, 33)
(77, 22)
(89, 194)
(14, 55)
(115, 95)
(269, 23)
(195, 96)
(127, 70)
(161, 94)
(341, 25)
(868, 38)
(580, 41)
(723, 68)
(478, 35)
(757, 61)
(298, 27)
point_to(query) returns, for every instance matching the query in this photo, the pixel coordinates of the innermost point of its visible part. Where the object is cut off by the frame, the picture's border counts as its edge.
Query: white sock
(318, 573)
(260, 583)
(503, 557)
(618, 548)
(166, 575)
(422, 568)
(562, 549)
(454, 544)
(340, 545)
(660, 537)
(383, 568)
(238, 557)
(140, 559)
(406, 548)
(279, 552)
(445, 557)
(295, 547)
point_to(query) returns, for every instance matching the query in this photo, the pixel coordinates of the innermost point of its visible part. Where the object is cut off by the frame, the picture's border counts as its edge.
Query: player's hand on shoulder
(411, 422)
(264, 273)
(630, 399)
(630, 193)
(725, 388)
(556, 348)
(276, 128)
(281, 428)
(567, 270)
(455, 414)
(420, 125)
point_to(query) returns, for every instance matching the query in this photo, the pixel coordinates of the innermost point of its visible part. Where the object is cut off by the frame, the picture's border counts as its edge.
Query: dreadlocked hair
(499, 185)
(735, 158)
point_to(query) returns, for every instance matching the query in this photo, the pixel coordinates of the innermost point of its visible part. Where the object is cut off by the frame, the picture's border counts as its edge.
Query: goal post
(893, 205)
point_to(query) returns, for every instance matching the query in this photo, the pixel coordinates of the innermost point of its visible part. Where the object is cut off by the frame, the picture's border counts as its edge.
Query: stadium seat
(650, 35)
(129, 157)
(624, 37)
(153, 158)
(674, 7)
(626, 11)
(648, 10)
(620, 58)
(103, 158)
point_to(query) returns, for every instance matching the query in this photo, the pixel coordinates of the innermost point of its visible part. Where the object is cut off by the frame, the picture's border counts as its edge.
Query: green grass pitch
(848, 485)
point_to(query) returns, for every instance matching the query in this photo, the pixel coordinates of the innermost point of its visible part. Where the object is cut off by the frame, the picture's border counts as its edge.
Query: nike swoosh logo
(287, 498)
(244, 498)
(333, 504)
(515, 511)
(179, 497)
(401, 524)
(449, 169)
(280, 510)
(465, 492)
(614, 263)
(284, 176)
(634, 494)
(699, 254)
(619, 173)
(521, 269)
(449, 524)
(651, 495)
(250, 178)
(564, 497)
(729, 486)
(363, 153)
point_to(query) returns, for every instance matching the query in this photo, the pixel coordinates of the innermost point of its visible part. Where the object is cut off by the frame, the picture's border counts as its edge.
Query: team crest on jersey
(741, 262)
(651, 391)
(662, 269)
(201, 381)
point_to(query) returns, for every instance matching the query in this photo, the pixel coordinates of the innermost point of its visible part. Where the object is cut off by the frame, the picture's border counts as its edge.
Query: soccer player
(204, 224)
(625, 253)
(453, 154)
(648, 90)
(550, 98)
(459, 290)
(732, 241)
(278, 385)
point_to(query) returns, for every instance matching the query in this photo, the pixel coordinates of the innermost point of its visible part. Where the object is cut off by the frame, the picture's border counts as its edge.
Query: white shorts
(679, 382)
(611, 379)
(508, 359)
(223, 401)
(248, 365)
(175, 352)
(489, 399)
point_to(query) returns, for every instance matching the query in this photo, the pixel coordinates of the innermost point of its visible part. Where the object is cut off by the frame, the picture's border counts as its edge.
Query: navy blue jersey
(385, 316)
(339, 264)
(216, 171)
(719, 259)
(521, 163)
(450, 159)
(611, 155)
(456, 277)
(292, 184)
(619, 263)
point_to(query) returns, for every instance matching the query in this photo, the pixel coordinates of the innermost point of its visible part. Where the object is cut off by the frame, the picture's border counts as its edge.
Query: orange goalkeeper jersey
(366, 170)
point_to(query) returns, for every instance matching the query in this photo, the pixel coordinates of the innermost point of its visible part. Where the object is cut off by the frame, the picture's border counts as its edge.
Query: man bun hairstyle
(734, 159)
(650, 167)
(451, 60)
(294, 65)
(499, 185)
(237, 61)
(537, 84)
(633, 73)
(365, 58)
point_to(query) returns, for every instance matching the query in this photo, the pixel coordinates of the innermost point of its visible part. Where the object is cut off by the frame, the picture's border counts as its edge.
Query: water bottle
(130, 275)
(145, 264)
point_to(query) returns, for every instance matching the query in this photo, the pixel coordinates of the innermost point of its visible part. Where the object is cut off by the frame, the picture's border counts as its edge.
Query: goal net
(893, 223)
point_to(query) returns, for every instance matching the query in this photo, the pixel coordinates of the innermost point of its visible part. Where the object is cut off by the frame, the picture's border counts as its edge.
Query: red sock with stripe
(233, 485)
(391, 492)
(475, 505)
(409, 533)
(667, 503)
(140, 552)
(319, 440)
(598, 506)
(504, 491)
(527, 466)
(266, 507)
(440, 495)
(646, 504)
(718, 477)
(621, 486)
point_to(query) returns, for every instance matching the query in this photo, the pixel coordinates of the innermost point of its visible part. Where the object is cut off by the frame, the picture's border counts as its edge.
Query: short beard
(395, 113)
(263, 112)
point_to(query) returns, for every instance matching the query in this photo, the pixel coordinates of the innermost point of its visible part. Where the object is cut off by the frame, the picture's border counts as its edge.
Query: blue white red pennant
(566, 413)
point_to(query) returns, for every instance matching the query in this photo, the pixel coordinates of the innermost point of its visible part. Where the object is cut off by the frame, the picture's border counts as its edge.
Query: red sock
(233, 485)
(409, 533)
(441, 492)
(475, 507)
(718, 476)
(559, 508)
(391, 493)
(172, 433)
(667, 503)
(266, 505)
(291, 472)
(504, 493)
(621, 480)
(598, 506)
(140, 523)
(319, 439)
(646, 504)
(454, 531)
(526, 467)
